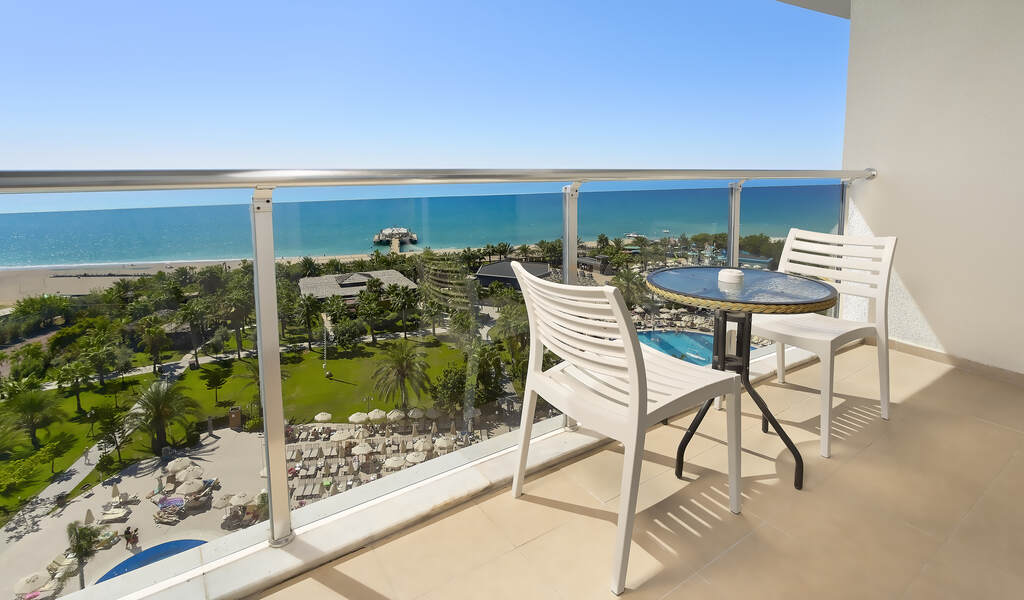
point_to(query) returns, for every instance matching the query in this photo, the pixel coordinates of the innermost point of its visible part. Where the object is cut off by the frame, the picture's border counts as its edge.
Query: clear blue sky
(683, 84)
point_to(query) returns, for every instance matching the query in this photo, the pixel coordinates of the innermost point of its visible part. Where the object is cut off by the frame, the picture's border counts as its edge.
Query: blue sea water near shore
(347, 226)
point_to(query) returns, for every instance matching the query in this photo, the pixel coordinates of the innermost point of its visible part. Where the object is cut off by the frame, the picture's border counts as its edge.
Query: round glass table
(765, 292)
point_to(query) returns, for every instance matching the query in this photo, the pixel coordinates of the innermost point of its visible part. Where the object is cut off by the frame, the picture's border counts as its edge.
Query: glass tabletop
(767, 288)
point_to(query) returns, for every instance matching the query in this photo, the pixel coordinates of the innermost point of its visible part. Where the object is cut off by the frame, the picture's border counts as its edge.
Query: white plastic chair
(612, 384)
(855, 266)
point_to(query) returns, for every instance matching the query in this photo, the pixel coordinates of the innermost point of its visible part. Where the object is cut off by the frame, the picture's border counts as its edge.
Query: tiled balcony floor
(926, 505)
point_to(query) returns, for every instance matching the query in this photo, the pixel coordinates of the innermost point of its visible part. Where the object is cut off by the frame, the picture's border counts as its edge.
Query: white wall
(935, 102)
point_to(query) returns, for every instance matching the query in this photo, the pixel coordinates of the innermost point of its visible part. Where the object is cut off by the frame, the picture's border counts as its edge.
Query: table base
(739, 363)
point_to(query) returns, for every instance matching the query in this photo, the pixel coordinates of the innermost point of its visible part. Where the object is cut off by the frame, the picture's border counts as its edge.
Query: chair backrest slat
(589, 328)
(854, 265)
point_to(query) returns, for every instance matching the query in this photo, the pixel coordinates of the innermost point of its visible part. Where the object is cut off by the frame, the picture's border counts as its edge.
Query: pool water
(149, 556)
(690, 346)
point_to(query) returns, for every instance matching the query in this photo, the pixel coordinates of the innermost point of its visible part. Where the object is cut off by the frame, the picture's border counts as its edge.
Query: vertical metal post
(844, 205)
(268, 344)
(733, 251)
(570, 231)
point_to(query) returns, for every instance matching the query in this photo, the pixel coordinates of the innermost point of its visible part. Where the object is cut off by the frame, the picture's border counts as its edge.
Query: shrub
(106, 464)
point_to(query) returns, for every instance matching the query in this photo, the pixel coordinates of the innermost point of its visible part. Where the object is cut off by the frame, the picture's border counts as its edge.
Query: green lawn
(77, 430)
(306, 390)
(306, 393)
(144, 359)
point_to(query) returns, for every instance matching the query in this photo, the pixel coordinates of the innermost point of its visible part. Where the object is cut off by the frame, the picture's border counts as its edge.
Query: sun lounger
(114, 514)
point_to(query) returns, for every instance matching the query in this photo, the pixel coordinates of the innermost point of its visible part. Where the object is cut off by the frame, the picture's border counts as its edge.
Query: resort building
(348, 285)
(501, 271)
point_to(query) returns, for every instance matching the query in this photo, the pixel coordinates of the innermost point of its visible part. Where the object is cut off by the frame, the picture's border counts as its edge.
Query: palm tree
(99, 349)
(11, 434)
(238, 305)
(371, 310)
(307, 311)
(632, 286)
(161, 405)
(192, 314)
(110, 421)
(154, 338)
(401, 366)
(403, 300)
(308, 267)
(34, 410)
(503, 249)
(73, 375)
(432, 311)
(524, 251)
(82, 540)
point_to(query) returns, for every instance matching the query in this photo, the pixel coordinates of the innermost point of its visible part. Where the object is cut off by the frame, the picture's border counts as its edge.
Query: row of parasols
(378, 416)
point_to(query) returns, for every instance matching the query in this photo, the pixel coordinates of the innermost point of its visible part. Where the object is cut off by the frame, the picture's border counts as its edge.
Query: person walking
(127, 537)
(135, 537)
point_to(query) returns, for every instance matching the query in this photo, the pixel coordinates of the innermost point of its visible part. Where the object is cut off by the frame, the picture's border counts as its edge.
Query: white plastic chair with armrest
(612, 384)
(855, 266)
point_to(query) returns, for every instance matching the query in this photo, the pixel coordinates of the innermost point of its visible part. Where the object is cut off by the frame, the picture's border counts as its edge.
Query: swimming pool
(149, 556)
(690, 346)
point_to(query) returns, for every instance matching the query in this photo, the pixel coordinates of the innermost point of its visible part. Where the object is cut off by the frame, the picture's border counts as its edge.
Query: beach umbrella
(358, 418)
(361, 433)
(432, 414)
(114, 492)
(394, 462)
(222, 500)
(341, 435)
(424, 445)
(322, 417)
(362, 449)
(192, 472)
(89, 518)
(395, 416)
(416, 413)
(190, 487)
(416, 457)
(433, 428)
(31, 583)
(377, 416)
(241, 499)
(178, 464)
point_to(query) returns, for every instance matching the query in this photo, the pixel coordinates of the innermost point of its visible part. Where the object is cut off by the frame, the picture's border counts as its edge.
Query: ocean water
(347, 226)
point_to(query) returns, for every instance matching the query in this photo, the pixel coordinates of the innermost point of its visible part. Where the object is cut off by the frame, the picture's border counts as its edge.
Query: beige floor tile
(993, 530)
(600, 473)
(429, 556)
(928, 469)
(548, 501)
(358, 576)
(948, 578)
(694, 588)
(924, 505)
(507, 577)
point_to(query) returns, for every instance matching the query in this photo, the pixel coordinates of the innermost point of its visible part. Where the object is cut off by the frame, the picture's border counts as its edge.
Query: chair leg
(883, 375)
(826, 404)
(780, 362)
(732, 432)
(525, 428)
(627, 511)
(718, 402)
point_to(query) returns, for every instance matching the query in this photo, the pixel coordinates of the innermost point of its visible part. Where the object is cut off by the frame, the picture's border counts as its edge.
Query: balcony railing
(313, 368)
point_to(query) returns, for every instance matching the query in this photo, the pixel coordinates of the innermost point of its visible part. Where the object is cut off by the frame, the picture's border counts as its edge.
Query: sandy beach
(78, 280)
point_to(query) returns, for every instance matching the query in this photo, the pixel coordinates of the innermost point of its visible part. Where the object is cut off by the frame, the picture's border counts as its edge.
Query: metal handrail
(20, 182)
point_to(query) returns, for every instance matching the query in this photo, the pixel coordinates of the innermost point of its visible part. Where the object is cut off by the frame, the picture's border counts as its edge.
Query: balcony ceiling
(838, 8)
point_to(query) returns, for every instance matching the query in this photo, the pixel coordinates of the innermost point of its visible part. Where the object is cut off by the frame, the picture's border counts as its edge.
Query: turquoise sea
(347, 226)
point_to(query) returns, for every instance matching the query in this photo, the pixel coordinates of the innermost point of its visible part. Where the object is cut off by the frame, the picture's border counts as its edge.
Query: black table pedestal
(738, 363)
